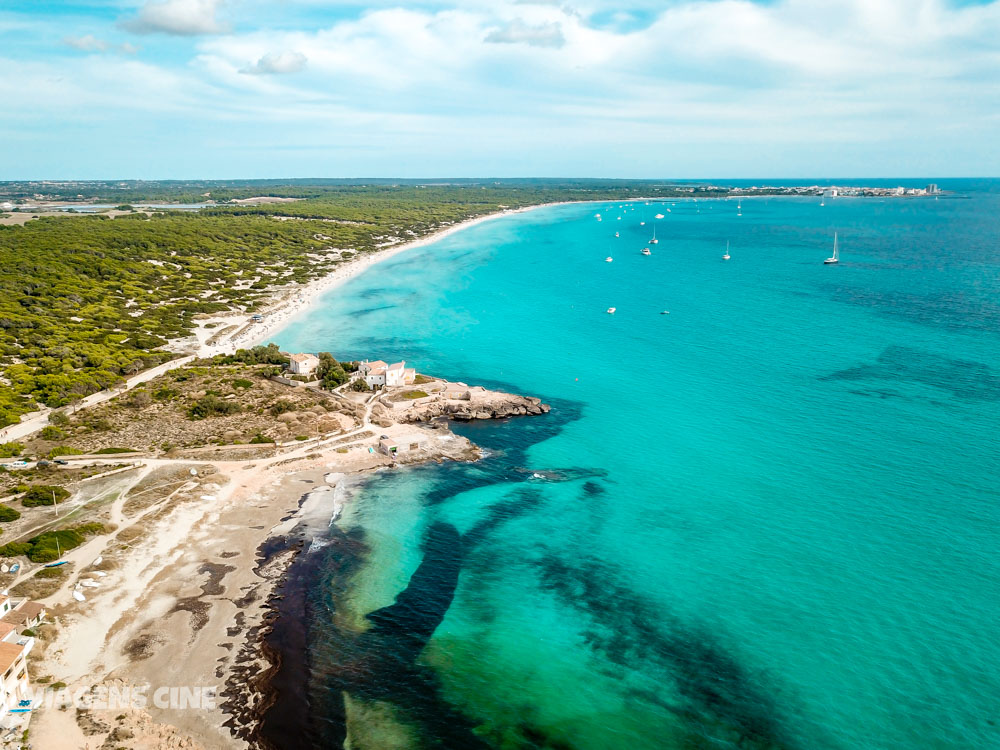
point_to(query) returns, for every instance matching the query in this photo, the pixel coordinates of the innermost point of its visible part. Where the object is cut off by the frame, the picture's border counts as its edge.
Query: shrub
(64, 450)
(281, 407)
(8, 514)
(108, 451)
(51, 433)
(9, 450)
(301, 437)
(47, 546)
(59, 418)
(14, 549)
(242, 383)
(211, 405)
(42, 494)
(360, 386)
(165, 394)
(260, 439)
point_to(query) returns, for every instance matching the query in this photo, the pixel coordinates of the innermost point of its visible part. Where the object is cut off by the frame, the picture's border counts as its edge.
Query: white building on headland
(378, 373)
(303, 364)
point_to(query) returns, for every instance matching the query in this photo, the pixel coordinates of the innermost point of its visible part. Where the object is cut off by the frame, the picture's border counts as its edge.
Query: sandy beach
(176, 591)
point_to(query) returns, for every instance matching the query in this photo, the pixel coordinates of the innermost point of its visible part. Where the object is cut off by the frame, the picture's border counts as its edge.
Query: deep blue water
(768, 518)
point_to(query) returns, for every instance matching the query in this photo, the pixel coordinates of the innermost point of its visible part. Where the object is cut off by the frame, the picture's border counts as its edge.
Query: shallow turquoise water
(772, 513)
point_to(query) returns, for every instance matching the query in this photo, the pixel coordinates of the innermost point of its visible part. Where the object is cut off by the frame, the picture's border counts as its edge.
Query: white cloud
(180, 17)
(87, 43)
(90, 43)
(518, 32)
(277, 63)
(789, 85)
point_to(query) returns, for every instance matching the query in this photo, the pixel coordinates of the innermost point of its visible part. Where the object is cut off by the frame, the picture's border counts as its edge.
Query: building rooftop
(304, 357)
(8, 655)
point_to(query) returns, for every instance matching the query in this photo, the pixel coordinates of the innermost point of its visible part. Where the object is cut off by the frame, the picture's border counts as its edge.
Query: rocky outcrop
(495, 406)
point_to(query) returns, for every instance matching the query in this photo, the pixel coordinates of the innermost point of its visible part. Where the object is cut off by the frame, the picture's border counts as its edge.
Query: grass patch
(109, 451)
(411, 395)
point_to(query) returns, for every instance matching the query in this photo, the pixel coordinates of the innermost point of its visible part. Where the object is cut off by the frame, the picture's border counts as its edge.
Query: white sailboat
(835, 258)
(610, 311)
(654, 240)
(726, 256)
(609, 259)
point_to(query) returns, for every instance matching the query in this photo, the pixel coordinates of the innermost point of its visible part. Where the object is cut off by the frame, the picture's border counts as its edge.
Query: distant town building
(303, 364)
(932, 188)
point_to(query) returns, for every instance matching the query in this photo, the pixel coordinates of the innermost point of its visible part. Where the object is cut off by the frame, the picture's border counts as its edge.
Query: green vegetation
(422, 379)
(259, 439)
(9, 450)
(330, 371)
(43, 494)
(360, 386)
(112, 450)
(64, 450)
(48, 545)
(210, 405)
(410, 395)
(8, 514)
(51, 433)
(281, 407)
(242, 383)
(86, 301)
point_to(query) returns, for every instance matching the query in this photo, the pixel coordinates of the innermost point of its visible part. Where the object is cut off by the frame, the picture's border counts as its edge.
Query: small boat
(599, 217)
(98, 560)
(642, 223)
(609, 259)
(835, 258)
(726, 256)
(739, 208)
(611, 310)
(15, 567)
(89, 584)
(645, 251)
(658, 216)
(4, 568)
(57, 564)
(664, 312)
(78, 595)
(100, 573)
(616, 234)
(619, 218)
(654, 240)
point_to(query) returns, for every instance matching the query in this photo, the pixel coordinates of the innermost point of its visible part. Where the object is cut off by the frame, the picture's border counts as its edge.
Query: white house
(399, 374)
(378, 373)
(373, 372)
(303, 364)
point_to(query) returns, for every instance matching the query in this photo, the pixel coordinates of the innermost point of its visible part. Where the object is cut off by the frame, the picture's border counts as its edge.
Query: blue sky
(675, 88)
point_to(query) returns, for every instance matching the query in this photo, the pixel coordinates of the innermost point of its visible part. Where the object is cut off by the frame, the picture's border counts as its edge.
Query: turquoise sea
(767, 519)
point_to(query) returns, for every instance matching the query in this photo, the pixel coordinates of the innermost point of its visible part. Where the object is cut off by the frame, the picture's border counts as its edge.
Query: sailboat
(609, 259)
(654, 241)
(726, 256)
(645, 251)
(835, 258)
